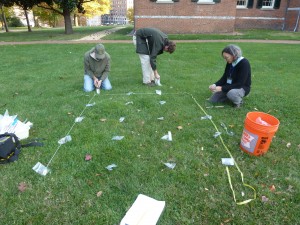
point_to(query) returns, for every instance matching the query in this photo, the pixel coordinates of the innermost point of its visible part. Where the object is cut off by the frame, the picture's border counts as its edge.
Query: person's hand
(97, 83)
(156, 75)
(218, 89)
(212, 88)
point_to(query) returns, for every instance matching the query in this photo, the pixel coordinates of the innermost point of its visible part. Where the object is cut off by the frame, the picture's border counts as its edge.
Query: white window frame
(269, 7)
(206, 2)
(242, 6)
(164, 1)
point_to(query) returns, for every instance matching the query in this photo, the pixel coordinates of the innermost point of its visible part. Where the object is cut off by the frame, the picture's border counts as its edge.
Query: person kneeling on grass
(236, 80)
(96, 69)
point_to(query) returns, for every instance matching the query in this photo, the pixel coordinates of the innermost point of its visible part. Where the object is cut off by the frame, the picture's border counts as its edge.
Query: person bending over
(151, 42)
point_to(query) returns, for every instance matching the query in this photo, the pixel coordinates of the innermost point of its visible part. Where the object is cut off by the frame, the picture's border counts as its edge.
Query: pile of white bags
(11, 124)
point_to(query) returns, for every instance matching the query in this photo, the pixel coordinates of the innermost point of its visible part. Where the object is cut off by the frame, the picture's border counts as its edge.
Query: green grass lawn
(123, 34)
(43, 83)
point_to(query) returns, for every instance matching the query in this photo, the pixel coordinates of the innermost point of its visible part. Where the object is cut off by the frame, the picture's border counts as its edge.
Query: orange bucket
(259, 129)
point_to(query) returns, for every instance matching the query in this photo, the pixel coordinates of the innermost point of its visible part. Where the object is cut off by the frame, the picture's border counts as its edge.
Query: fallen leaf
(288, 145)
(206, 174)
(228, 220)
(22, 186)
(99, 193)
(88, 157)
(264, 198)
(231, 125)
(179, 127)
(272, 188)
(102, 119)
(98, 174)
(290, 188)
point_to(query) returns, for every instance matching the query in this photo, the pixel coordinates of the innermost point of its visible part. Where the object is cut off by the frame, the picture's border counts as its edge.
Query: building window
(268, 4)
(205, 2)
(244, 4)
(164, 1)
(241, 4)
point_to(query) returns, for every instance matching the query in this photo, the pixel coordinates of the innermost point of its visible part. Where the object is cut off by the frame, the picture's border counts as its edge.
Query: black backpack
(10, 147)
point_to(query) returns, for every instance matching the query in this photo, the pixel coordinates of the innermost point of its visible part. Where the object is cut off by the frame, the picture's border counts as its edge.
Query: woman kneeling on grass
(236, 80)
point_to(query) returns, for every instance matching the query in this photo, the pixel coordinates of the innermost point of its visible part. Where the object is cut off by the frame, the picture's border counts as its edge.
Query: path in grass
(129, 41)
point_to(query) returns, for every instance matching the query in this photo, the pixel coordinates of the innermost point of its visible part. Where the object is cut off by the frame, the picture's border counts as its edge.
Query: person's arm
(217, 86)
(87, 67)
(106, 70)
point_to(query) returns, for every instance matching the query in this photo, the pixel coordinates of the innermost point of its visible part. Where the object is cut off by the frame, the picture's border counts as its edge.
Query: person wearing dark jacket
(151, 42)
(236, 80)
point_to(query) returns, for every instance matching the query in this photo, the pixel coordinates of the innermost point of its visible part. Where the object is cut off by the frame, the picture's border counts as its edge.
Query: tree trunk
(68, 22)
(4, 18)
(27, 21)
(75, 20)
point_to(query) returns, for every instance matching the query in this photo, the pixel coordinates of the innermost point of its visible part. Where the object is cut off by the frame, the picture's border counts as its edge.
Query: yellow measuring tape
(236, 165)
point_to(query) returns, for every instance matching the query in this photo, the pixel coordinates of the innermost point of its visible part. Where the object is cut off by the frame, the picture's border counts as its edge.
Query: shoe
(237, 106)
(150, 84)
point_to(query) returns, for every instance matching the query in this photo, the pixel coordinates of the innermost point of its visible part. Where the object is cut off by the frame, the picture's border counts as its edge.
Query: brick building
(217, 16)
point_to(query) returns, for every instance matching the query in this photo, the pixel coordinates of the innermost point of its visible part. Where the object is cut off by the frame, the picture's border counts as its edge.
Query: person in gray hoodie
(151, 42)
(96, 69)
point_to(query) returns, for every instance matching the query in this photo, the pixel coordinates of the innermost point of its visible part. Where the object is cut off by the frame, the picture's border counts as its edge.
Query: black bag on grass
(10, 148)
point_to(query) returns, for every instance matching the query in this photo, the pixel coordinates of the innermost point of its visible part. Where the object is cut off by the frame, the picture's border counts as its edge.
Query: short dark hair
(171, 46)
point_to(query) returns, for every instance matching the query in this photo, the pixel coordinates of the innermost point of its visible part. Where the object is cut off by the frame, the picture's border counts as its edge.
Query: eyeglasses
(227, 57)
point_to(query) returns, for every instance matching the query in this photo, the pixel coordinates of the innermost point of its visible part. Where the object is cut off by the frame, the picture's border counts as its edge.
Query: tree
(66, 8)
(93, 8)
(45, 16)
(6, 3)
(25, 5)
(130, 15)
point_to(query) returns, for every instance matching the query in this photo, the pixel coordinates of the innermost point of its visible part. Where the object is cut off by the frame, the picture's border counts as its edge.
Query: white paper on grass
(144, 211)
(160, 118)
(121, 119)
(206, 117)
(41, 169)
(217, 134)
(91, 104)
(167, 137)
(127, 103)
(170, 165)
(65, 140)
(129, 93)
(158, 92)
(117, 138)
(110, 167)
(228, 161)
(157, 82)
(162, 102)
(79, 119)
